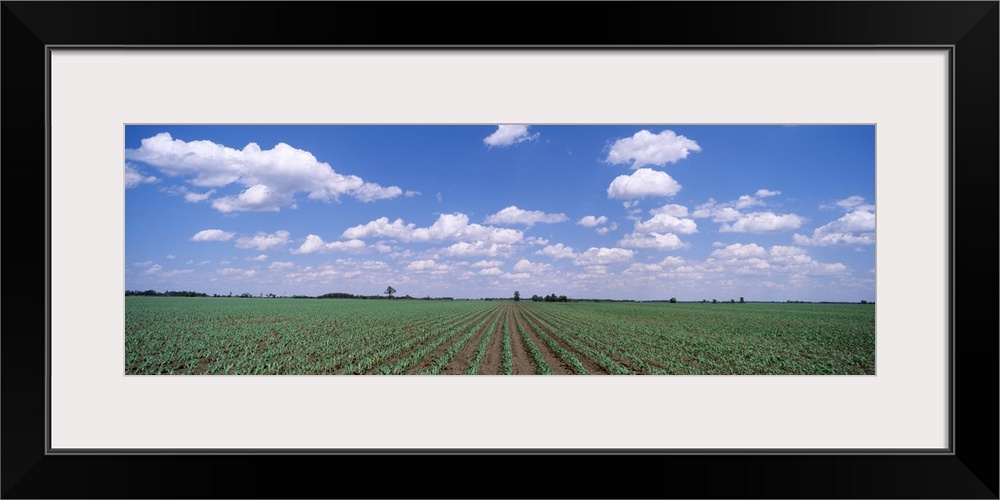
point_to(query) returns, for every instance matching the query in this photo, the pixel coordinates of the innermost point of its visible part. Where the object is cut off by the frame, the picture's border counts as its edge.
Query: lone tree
(389, 291)
(517, 296)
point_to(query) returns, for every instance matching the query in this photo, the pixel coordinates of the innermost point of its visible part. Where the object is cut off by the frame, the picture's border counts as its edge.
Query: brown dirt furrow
(556, 365)
(464, 357)
(618, 359)
(446, 324)
(521, 359)
(491, 360)
(428, 360)
(592, 367)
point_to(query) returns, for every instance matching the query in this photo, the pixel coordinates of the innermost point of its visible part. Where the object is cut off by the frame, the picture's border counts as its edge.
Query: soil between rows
(592, 367)
(428, 360)
(492, 360)
(520, 359)
(556, 365)
(464, 358)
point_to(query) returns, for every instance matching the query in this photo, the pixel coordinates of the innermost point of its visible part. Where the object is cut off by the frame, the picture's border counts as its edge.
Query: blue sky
(467, 211)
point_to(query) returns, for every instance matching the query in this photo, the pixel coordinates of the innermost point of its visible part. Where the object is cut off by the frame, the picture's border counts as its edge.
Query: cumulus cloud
(467, 249)
(762, 222)
(730, 210)
(488, 263)
(739, 251)
(664, 223)
(598, 223)
(603, 256)
(278, 266)
(607, 229)
(153, 269)
(526, 266)
(134, 177)
(410, 193)
(642, 183)
(196, 197)
(670, 209)
(753, 259)
(491, 271)
(271, 177)
(855, 228)
(658, 241)
(315, 244)
(259, 258)
(426, 265)
(557, 251)
(646, 148)
(853, 204)
(454, 226)
(213, 235)
(514, 215)
(507, 135)
(263, 241)
(591, 221)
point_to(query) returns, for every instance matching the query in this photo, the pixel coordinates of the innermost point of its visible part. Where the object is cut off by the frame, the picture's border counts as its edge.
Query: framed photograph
(361, 172)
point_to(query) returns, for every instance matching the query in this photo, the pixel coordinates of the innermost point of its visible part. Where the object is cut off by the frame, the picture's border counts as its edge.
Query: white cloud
(854, 204)
(466, 249)
(488, 263)
(259, 258)
(213, 235)
(855, 228)
(271, 177)
(196, 197)
(730, 210)
(598, 222)
(630, 203)
(507, 135)
(410, 193)
(516, 276)
(762, 222)
(153, 269)
(643, 182)
(740, 251)
(670, 209)
(491, 271)
(658, 241)
(447, 227)
(557, 251)
(753, 259)
(663, 223)
(591, 221)
(607, 229)
(171, 257)
(638, 268)
(646, 148)
(134, 177)
(263, 241)
(514, 215)
(315, 244)
(426, 265)
(526, 266)
(603, 256)
(277, 266)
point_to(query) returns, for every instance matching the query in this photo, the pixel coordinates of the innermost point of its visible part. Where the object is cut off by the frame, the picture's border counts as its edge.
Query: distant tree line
(549, 298)
(169, 293)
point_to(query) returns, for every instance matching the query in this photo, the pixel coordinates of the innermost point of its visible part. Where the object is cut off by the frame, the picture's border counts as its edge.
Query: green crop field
(241, 336)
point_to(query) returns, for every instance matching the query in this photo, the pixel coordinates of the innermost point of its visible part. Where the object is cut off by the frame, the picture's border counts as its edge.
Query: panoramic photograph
(495, 249)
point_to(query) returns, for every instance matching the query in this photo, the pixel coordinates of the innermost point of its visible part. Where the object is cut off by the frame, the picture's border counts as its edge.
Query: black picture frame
(970, 470)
